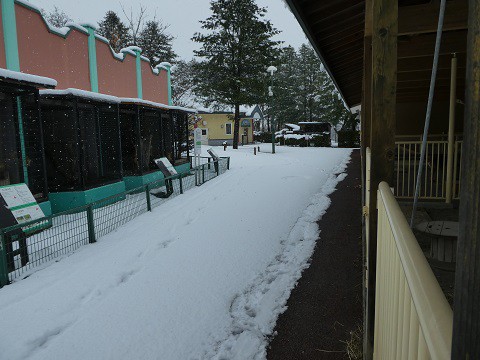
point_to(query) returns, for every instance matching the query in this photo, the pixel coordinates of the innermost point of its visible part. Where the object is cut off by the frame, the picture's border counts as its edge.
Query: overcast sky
(182, 15)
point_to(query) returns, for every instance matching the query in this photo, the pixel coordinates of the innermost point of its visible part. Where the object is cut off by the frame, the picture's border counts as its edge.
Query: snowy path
(202, 276)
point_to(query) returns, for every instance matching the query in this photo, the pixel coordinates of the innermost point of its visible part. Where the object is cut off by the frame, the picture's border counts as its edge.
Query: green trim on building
(184, 168)
(46, 207)
(22, 140)
(133, 182)
(138, 64)
(92, 58)
(169, 87)
(63, 201)
(10, 38)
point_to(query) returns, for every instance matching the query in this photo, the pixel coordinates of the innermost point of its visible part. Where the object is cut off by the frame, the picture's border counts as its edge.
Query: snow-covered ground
(204, 276)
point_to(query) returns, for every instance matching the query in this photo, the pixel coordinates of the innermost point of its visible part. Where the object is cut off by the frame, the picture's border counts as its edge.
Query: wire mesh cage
(149, 133)
(181, 141)
(21, 147)
(82, 143)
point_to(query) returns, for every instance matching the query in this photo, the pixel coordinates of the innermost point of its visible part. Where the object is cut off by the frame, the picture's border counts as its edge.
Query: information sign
(197, 140)
(19, 201)
(165, 167)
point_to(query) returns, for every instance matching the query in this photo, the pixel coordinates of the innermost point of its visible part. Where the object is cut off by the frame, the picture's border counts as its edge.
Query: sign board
(197, 141)
(165, 167)
(213, 154)
(20, 203)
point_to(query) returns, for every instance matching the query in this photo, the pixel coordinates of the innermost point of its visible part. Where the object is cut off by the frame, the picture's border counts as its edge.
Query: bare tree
(135, 21)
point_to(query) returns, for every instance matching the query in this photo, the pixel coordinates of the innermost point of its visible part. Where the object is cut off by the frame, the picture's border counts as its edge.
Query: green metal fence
(25, 247)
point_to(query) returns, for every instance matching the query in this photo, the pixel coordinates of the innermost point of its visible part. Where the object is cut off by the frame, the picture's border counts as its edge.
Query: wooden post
(366, 118)
(451, 129)
(382, 141)
(466, 318)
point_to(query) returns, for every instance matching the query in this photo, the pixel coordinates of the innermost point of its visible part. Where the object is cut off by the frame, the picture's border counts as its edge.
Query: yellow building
(218, 127)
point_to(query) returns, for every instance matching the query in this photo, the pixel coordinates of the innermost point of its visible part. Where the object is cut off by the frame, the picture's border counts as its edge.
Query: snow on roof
(28, 78)
(104, 39)
(30, 5)
(155, 104)
(70, 24)
(89, 25)
(131, 50)
(165, 65)
(83, 94)
(144, 58)
(293, 126)
(160, 66)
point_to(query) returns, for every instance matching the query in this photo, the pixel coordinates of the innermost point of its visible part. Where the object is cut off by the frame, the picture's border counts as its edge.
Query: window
(204, 132)
(228, 129)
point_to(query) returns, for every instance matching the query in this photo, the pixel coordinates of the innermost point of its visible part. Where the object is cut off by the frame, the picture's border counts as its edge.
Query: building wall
(214, 123)
(47, 54)
(151, 88)
(411, 118)
(116, 77)
(50, 52)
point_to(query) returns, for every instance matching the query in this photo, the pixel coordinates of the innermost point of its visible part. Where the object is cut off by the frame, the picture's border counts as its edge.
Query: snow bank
(203, 276)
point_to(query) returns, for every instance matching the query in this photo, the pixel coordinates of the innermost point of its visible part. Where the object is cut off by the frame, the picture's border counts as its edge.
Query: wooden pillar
(366, 117)
(382, 137)
(466, 317)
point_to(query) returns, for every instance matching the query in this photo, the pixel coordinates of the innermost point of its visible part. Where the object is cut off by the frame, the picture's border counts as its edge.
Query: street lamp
(271, 69)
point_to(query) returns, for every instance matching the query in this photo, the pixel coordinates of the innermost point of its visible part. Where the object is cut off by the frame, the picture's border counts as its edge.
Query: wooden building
(380, 55)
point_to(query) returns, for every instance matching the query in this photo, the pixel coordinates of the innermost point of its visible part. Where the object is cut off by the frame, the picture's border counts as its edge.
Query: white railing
(434, 176)
(413, 319)
(366, 212)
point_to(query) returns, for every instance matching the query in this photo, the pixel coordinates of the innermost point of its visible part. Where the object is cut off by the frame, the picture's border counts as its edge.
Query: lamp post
(271, 69)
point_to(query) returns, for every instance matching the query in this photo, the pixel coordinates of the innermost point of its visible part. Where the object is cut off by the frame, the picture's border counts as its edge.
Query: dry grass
(355, 344)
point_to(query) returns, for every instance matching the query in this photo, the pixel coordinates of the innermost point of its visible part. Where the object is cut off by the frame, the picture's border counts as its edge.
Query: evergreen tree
(236, 50)
(56, 17)
(112, 28)
(156, 43)
(284, 107)
(303, 90)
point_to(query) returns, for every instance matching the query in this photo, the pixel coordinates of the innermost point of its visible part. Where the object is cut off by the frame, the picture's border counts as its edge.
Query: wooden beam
(382, 137)
(466, 318)
(366, 118)
(420, 19)
(328, 7)
(425, 63)
(345, 10)
(424, 45)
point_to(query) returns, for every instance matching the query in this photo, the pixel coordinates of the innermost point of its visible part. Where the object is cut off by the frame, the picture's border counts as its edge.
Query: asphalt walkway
(326, 305)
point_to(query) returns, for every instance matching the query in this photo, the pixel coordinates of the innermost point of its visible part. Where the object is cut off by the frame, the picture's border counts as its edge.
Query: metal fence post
(203, 173)
(181, 183)
(147, 194)
(228, 163)
(3, 261)
(91, 225)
